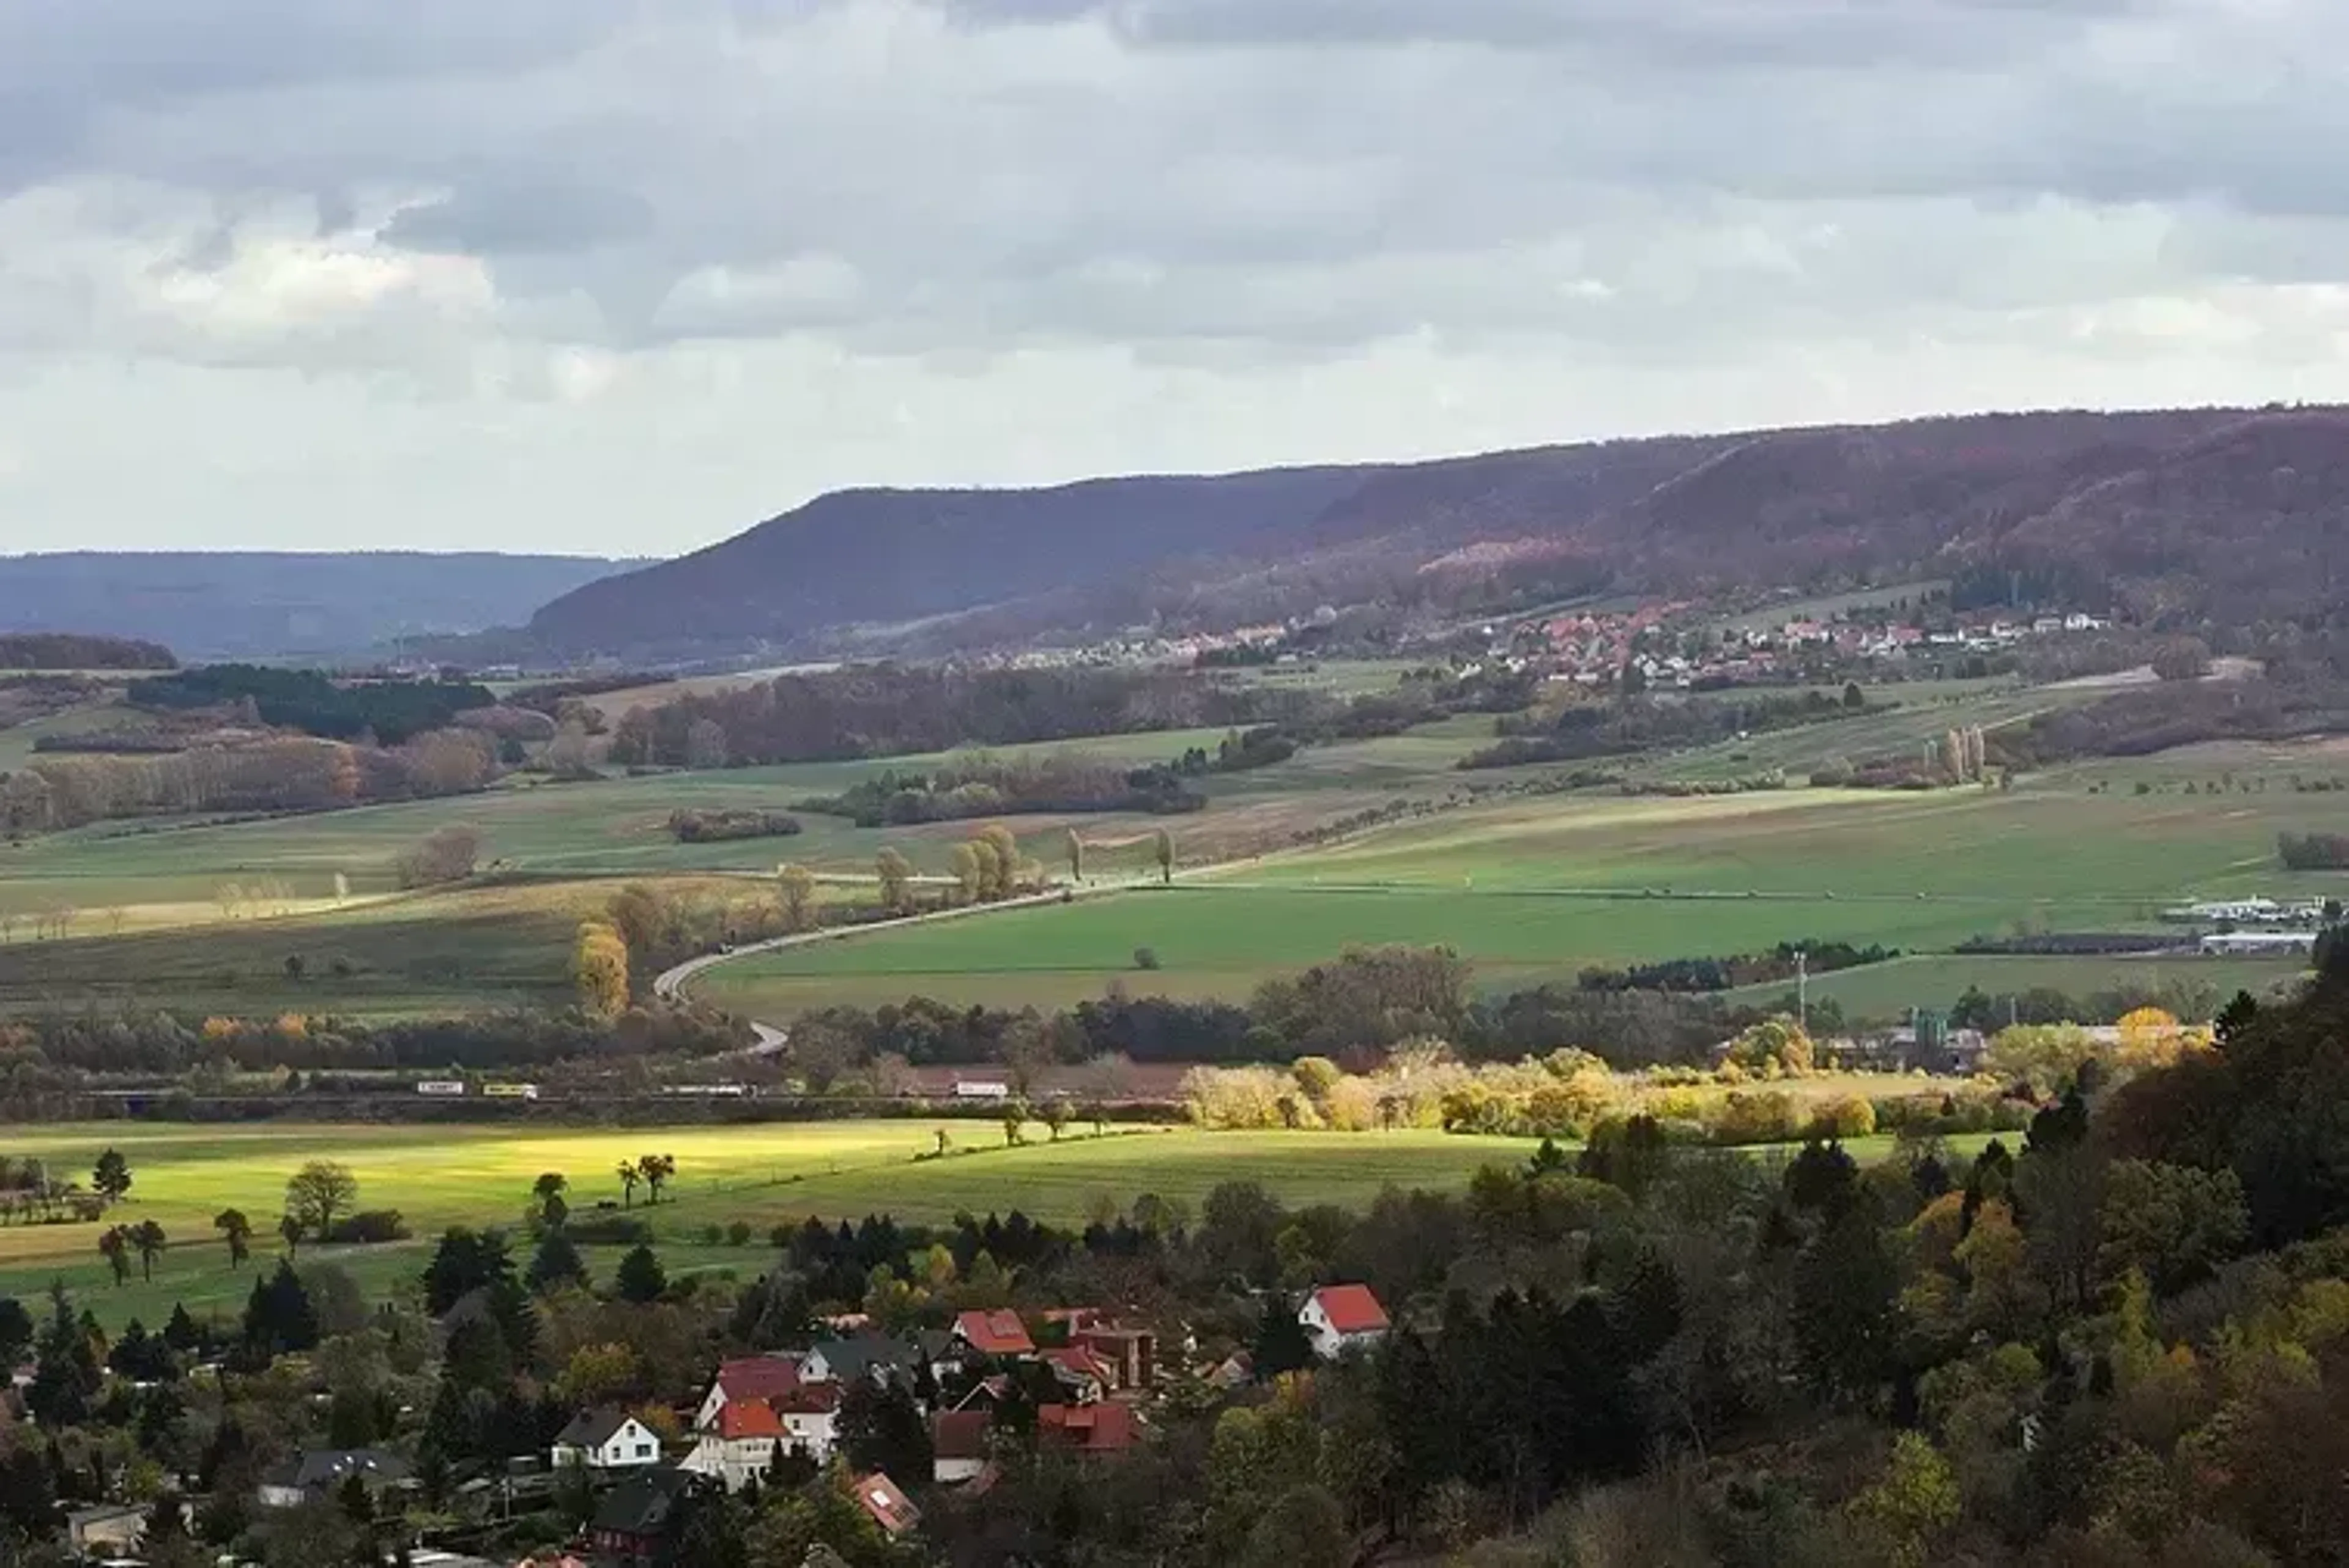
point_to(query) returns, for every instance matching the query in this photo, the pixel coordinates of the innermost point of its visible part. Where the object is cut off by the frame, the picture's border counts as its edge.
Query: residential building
(750, 1378)
(809, 1418)
(739, 1447)
(891, 1509)
(1102, 1429)
(631, 1523)
(1339, 1318)
(873, 1355)
(316, 1473)
(1130, 1355)
(958, 1445)
(1077, 1371)
(608, 1438)
(109, 1530)
(996, 1334)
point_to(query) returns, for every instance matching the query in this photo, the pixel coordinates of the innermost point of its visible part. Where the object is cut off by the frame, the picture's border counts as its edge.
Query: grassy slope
(766, 1175)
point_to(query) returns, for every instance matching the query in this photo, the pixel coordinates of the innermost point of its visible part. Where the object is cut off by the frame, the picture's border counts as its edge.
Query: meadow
(1533, 890)
(1531, 887)
(764, 1174)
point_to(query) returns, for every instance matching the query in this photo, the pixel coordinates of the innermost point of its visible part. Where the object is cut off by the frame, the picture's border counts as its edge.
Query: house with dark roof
(958, 1445)
(873, 1355)
(605, 1438)
(891, 1509)
(748, 1377)
(1339, 1318)
(1100, 1429)
(315, 1473)
(632, 1521)
(996, 1334)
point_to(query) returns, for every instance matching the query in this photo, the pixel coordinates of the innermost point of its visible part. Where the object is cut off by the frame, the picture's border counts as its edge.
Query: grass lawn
(438, 1176)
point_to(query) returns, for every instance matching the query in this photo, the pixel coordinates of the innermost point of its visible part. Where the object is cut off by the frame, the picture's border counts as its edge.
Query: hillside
(2235, 514)
(214, 605)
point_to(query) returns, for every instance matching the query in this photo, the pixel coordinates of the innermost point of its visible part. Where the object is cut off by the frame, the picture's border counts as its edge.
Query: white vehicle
(446, 1086)
(511, 1091)
(981, 1089)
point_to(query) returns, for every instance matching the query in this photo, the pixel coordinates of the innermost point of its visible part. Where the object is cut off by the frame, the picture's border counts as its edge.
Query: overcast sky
(626, 275)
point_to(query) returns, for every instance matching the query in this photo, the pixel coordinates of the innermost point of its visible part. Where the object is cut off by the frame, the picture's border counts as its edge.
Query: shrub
(368, 1228)
(738, 1234)
(608, 1230)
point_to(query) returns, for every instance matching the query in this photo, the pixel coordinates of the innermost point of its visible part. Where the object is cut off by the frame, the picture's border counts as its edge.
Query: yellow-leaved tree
(599, 968)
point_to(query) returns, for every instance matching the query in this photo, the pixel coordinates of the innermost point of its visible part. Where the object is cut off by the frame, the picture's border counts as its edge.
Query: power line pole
(1802, 988)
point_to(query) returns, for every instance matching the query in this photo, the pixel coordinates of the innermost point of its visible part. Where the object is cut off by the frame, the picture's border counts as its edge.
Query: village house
(605, 1439)
(891, 1509)
(739, 1447)
(1079, 1372)
(108, 1530)
(958, 1445)
(811, 1419)
(875, 1355)
(313, 1474)
(752, 1377)
(1097, 1430)
(1128, 1355)
(1000, 1335)
(631, 1524)
(1339, 1318)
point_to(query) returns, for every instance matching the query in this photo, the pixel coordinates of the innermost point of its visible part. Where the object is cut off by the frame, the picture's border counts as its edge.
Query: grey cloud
(507, 214)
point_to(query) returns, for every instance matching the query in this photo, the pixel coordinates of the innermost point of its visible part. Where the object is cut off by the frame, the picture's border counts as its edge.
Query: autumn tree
(705, 745)
(1000, 859)
(444, 855)
(320, 1193)
(599, 968)
(656, 1169)
(795, 890)
(1076, 856)
(1162, 847)
(629, 1176)
(896, 874)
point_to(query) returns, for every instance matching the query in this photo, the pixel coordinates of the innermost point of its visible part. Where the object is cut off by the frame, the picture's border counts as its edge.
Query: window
(643, 1449)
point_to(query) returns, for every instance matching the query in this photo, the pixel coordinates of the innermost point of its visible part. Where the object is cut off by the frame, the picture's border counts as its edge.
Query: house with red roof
(1077, 1370)
(1339, 1318)
(739, 1445)
(750, 1378)
(881, 1498)
(997, 1333)
(1102, 1429)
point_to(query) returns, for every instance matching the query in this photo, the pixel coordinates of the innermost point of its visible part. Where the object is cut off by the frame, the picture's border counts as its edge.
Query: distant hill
(227, 606)
(2235, 514)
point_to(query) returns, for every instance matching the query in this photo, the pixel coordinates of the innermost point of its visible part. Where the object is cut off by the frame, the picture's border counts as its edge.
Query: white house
(739, 1447)
(1339, 1318)
(605, 1439)
(810, 1418)
(750, 1378)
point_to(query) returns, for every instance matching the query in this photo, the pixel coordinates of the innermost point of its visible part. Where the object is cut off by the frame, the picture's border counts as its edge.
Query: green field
(1535, 890)
(439, 1176)
(1529, 886)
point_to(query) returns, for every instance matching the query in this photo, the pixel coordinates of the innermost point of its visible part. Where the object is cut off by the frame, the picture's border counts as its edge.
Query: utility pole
(1802, 988)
